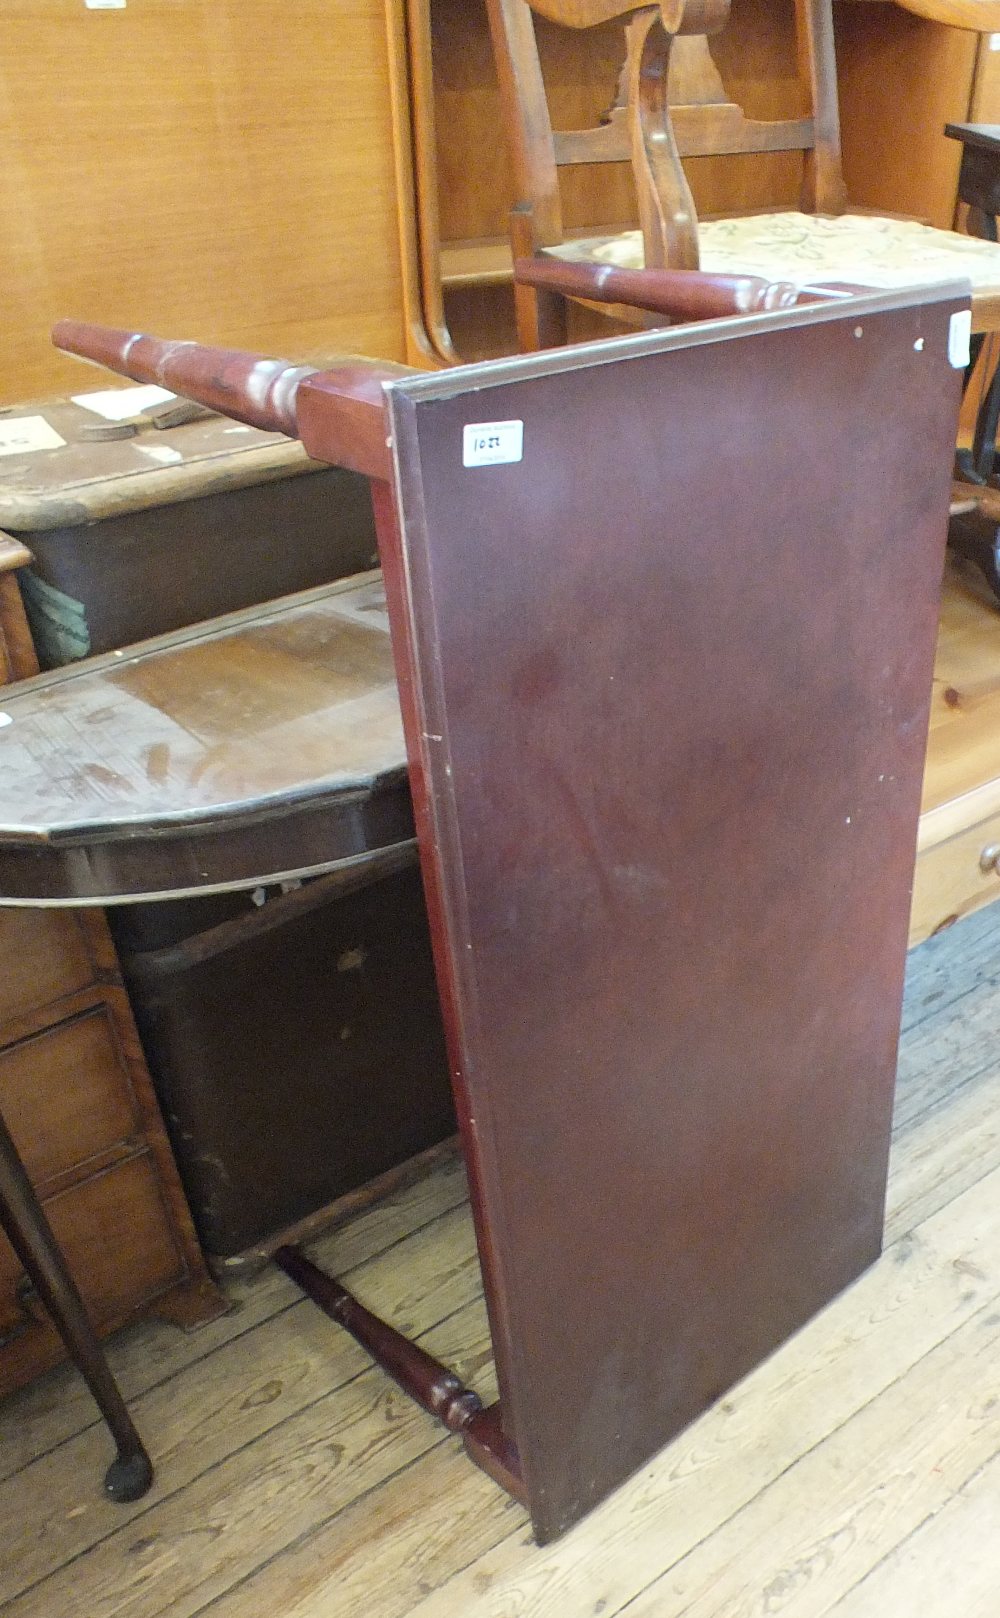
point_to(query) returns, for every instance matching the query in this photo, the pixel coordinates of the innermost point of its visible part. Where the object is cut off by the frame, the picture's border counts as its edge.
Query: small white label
(20, 435)
(161, 453)
(959, 337)
(492, 443)
(995, 42)
(104, 5)
(120, 404)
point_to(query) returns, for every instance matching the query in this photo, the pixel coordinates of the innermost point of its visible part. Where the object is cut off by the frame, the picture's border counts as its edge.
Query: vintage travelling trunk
(136, 535)
(295, 1044)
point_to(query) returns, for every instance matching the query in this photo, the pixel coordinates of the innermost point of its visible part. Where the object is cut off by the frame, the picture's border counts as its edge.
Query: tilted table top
(665, 702)
(265, 743)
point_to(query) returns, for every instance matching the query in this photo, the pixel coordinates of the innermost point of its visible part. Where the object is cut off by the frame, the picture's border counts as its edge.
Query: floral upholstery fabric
(806, 248)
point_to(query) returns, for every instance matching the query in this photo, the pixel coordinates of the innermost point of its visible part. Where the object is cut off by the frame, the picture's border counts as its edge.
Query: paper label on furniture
(959, 338)
(161, 453)
(104, 5)
(492, 443)
(19, 435)
(121, 404)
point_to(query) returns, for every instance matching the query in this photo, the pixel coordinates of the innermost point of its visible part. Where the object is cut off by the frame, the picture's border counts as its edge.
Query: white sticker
(959, 337)
(19, 435)
(120, 404)
(492, 443)
(160, 452)
(995, 42)
(104, 5)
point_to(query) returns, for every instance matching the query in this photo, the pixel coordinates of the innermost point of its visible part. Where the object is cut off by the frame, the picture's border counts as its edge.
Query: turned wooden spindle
(248, 387)
(337, 412)
(427, 1382)
(436, 1389)
(683, 294)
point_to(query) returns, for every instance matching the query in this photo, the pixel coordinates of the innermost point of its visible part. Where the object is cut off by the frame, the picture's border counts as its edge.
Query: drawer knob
(989, 859)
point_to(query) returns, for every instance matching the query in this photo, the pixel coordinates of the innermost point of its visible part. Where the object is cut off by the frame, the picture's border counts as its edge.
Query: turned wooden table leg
(26, 1227)
(429, 1383)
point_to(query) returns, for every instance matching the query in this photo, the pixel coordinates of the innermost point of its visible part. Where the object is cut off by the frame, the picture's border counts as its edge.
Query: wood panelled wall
(219, 169)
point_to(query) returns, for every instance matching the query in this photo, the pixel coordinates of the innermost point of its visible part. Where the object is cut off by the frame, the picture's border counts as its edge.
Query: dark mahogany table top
(663, 610)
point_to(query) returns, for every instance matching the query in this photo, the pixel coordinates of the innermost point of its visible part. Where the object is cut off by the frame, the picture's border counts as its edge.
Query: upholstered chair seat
(862, 249)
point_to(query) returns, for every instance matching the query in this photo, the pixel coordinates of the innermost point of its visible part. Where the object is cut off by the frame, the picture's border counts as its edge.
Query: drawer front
(116, 1238)
(42, 955)
(65, 1095)
(950, 880)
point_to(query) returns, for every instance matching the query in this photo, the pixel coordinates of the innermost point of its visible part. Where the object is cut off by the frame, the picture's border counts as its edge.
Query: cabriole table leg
(26, 1227)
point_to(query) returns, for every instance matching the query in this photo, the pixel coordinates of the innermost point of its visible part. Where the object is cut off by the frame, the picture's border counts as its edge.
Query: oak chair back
(671, 104)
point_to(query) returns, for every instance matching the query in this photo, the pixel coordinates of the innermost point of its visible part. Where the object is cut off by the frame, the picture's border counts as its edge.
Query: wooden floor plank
(231, 1399)
(950, 965)
(388, 1550)
(946, 1149)
(947, 1565)
(824, 1523)
(925, 1287)
(184, 1551)
(946, 1052)
(57, 1406)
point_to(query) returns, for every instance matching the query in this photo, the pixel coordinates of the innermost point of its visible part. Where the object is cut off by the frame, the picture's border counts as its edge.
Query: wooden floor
(857, 1473)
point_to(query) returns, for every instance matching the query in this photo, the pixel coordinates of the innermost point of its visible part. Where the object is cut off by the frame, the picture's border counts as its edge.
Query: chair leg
(541, 315)
(28, 1231)
(541, 319)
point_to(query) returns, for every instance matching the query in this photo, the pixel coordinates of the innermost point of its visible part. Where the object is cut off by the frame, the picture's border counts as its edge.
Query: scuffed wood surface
(292, 699)
(88, 480)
